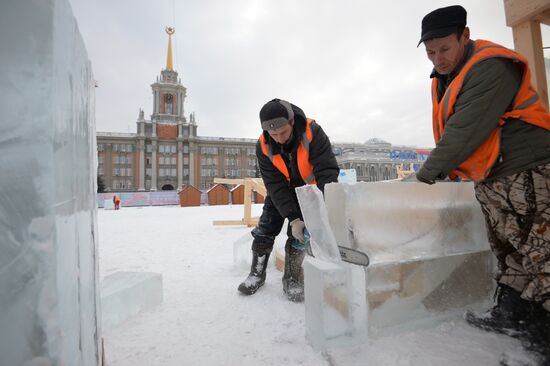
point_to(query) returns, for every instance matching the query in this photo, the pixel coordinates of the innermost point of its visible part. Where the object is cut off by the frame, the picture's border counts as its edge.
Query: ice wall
(48, 233)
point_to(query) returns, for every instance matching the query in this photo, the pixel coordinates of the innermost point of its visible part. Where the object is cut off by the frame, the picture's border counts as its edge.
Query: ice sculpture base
(335, 302)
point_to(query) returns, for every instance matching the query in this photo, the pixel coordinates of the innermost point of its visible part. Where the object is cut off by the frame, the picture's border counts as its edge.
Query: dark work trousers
(269, 226)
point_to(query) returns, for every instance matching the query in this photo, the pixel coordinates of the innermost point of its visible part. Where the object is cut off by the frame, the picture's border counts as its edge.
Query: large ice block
(427, 244)
(125, 294)
(336, 311)
(49, 300)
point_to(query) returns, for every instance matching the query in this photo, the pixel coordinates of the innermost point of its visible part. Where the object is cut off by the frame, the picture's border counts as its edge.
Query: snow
(203, 320)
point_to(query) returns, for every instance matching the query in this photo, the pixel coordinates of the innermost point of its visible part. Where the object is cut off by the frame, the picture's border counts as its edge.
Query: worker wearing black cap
(292, 151)
(491, 128)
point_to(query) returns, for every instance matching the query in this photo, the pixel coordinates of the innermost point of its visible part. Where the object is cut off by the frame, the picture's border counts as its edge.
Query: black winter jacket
(325, 167)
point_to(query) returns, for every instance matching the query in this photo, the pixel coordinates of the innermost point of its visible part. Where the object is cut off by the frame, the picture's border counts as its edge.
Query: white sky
(351, 65)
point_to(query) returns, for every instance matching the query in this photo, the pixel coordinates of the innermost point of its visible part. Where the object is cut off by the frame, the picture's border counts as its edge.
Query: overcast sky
(351, 65)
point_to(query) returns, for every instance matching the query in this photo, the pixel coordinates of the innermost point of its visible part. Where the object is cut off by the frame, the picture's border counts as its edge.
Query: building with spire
(166, 152)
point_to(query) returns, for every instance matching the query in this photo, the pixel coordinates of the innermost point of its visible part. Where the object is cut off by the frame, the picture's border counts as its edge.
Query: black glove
(421, 178)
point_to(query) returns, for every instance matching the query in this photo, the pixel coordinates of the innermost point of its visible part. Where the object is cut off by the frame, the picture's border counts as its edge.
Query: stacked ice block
(428, 249)
(49, 310)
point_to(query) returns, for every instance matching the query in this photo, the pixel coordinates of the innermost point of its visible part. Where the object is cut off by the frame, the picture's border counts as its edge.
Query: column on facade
(154, 165)
(108, 167)
(180, 163)
(192, 164)
(141, 148)
(155, 102)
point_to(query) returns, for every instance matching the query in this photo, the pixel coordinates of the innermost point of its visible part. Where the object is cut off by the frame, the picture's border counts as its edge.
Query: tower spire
(169, 31)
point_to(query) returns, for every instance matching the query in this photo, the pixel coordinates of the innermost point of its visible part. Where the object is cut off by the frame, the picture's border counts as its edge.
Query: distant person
(292, 151)
(491, 128)
(116, 201)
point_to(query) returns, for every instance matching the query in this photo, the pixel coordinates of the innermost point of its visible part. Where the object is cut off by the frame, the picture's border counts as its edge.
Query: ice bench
(429, 260)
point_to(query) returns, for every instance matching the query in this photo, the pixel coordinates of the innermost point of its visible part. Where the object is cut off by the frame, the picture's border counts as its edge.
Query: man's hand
(298, 226)
(422, 176)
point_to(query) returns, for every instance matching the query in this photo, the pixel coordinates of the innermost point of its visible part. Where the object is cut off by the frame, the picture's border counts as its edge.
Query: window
(232, 151)
(149, 148)
(173, 149)
(161, 148)
(209, 150)
(161, 160)
(186, 161)
(186, 149)
(115, 147)
(173, 172)
(252, 163)
(250, 151)
(185, 172)
(148, 171)
(173, 160)
(168, 100)
(100, 147)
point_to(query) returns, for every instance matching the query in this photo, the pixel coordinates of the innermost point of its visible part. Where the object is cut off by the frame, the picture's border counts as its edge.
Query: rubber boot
(293, 277)
(509, 316)
(256, 278)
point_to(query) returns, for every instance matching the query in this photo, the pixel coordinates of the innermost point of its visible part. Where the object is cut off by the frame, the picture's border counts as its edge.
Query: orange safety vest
(526, 107)
(304, 166)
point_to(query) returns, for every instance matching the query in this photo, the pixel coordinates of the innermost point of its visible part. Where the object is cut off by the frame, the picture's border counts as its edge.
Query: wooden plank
(228, 181)
(519, 11)
(247, 201)
(259, 187)
(528, 42)
(228, 222)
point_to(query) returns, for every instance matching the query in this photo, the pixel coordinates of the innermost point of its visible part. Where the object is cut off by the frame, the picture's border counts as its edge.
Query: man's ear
(466, 34)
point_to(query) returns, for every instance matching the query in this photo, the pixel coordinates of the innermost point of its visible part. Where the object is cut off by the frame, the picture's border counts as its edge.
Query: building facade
(377, 159)
(166, 152)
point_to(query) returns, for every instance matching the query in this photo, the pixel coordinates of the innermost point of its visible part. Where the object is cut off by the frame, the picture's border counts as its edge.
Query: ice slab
(322, 241)
(336, 310)
(347, 176)
(401, 221)
(430, 257)
(125, 294)
(49, 293)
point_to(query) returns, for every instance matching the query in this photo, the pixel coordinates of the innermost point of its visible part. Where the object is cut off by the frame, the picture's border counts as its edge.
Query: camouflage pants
(517, 215)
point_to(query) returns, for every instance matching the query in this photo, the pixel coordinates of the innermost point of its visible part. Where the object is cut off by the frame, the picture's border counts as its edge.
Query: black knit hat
(442, 22)
(275, 114)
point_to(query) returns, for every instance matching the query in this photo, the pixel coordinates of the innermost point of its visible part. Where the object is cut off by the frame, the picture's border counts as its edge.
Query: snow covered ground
(204, 320)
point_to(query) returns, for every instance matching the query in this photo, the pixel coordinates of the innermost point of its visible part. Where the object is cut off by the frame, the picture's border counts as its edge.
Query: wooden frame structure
(250, 185)
(525, 17)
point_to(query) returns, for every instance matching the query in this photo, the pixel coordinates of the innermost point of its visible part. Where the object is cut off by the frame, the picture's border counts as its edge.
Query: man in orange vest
(292, 151)
(491, 128)
(116, 201)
